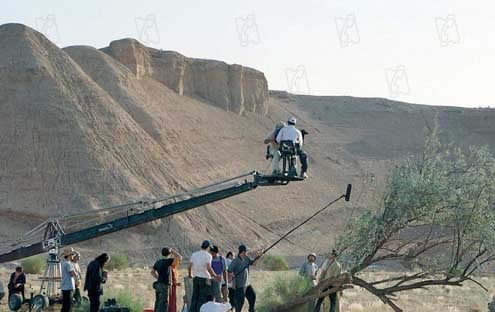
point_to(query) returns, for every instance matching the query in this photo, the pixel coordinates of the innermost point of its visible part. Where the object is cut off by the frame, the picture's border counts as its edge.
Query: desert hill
(82, 128)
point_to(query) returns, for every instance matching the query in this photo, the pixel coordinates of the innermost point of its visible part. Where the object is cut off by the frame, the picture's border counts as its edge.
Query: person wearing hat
(291, 133)
(239, 272)
(201, 272)
(310, 268)
(95, 276)
(77, 270)
(330, 268)
(68, 279)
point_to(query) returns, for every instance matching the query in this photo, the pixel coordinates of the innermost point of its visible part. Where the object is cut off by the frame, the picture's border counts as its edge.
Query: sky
(428, 52)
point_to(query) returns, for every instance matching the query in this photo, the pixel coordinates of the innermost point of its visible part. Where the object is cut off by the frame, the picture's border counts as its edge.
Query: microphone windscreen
(348, 192)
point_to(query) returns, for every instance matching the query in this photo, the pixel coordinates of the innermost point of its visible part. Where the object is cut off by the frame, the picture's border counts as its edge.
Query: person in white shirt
(201, 272)
(291, 133)
(310, 268)
(68, 281)
(212, 306)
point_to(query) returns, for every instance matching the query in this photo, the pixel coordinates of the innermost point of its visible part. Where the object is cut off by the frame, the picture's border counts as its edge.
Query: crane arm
(55, 235)
(153, 214)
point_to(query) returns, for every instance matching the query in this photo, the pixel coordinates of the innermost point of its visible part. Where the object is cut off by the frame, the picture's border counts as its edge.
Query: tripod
(52, 276)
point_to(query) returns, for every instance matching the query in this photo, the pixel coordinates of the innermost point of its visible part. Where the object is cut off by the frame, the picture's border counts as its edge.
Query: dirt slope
(81, 130)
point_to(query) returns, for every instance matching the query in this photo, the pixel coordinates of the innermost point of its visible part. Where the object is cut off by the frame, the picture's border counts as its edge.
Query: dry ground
(469, 298)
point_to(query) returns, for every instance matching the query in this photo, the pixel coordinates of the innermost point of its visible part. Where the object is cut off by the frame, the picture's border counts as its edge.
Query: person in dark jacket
(95, 276)
(17, 282)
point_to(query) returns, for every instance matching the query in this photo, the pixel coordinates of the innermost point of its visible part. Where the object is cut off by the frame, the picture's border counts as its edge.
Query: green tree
(33, 265)
(118, 262)
(436, 216)
(283, 289)
(274, 263)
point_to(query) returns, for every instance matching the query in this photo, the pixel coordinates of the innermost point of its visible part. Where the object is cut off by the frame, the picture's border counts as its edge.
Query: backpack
(218, 265)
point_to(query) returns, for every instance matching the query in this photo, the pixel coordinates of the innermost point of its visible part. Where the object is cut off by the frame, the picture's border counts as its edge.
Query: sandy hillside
(82, 128)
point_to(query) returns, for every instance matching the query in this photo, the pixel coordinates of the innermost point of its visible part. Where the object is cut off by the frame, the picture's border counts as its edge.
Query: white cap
(292, 120)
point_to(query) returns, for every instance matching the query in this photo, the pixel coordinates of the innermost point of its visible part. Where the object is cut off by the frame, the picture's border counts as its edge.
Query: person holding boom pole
(239, 271)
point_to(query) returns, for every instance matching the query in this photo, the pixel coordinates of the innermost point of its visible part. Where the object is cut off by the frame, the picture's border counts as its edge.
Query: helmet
(292, 120)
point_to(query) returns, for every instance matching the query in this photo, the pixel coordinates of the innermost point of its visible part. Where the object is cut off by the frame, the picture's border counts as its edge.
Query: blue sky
(429, 52)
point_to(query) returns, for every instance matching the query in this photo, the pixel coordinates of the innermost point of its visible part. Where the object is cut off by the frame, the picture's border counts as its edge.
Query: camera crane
(54, 234)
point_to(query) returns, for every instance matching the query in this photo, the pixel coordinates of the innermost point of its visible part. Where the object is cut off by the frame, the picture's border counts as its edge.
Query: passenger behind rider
(272, 148)
(291, 133)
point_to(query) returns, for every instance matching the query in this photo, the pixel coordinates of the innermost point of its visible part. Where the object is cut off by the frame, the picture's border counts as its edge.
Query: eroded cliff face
(232, 87)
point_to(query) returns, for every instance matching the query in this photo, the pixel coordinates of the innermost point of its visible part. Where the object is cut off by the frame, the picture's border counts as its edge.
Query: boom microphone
(348, 192)
(346, 196)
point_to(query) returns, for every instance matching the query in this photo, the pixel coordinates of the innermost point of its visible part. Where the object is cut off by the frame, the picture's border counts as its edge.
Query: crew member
(219, 266)
(291, 133)
(172, 297)
(239, 271)
(161, 272)
(95, 277)
(331, 268)
(310, 268)
(230, 288)
(17, 282)
(272, 148)
(68, 279)
(201, 272)
(77, 270)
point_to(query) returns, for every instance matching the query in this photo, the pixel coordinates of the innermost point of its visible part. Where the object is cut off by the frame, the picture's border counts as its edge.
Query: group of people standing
(215, 278)
(71, 279)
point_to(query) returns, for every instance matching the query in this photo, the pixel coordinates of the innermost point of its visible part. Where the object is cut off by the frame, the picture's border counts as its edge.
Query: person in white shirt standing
(201, 272)
(291, 133)
(68, 281)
